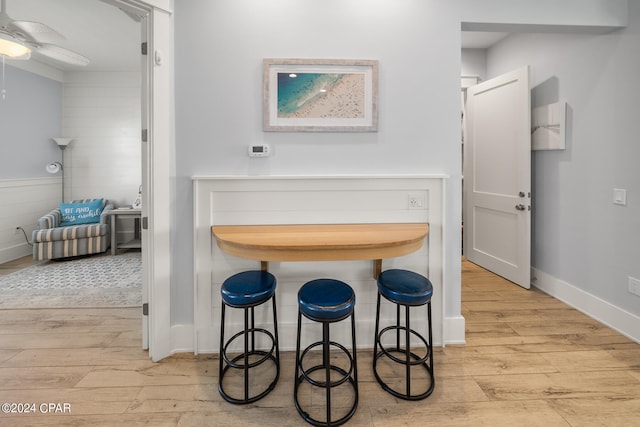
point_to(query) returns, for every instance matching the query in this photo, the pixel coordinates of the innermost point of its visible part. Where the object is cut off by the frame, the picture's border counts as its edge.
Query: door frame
(160, 140)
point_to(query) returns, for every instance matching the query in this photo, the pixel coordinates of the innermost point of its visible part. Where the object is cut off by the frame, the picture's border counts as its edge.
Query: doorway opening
(496, 147)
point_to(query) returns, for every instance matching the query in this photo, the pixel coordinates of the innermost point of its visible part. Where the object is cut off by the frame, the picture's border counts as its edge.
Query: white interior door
(497, 176)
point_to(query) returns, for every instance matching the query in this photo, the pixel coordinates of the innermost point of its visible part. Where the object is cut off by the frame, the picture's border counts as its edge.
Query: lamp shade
(54, 167)
(12, 48)
(62, 142)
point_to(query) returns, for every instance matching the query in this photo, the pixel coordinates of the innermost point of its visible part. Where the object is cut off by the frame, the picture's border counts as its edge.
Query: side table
(136, 242)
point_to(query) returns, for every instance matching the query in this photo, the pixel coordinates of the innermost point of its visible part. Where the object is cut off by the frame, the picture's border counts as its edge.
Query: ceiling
(97, 30)
(111, 39)
(480, 39)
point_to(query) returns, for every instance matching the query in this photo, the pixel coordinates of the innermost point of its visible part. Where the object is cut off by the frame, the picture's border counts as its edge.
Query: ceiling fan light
(12, 48)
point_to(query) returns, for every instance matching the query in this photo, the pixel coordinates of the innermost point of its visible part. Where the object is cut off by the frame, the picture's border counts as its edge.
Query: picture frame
(320, 95)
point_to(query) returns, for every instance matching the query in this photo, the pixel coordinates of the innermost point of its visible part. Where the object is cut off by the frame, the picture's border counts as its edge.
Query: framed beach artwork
(320, 95)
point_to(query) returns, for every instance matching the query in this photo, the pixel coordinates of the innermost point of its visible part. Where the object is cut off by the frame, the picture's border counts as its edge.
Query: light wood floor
(529, 361)
(16, 265)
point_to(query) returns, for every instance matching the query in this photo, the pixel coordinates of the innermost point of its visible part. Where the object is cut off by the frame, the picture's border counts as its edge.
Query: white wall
(102, 111)
(219, 47)
(580, 238)
(30, 114)
(544, 15)
(219, 97)
(102, 114)
(474, 63)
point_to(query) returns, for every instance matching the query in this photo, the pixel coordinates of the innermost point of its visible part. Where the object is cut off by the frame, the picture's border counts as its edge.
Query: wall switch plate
(634, 286)
(619, 196)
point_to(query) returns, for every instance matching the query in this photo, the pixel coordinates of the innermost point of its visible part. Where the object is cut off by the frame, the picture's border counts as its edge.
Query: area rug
(93, 281)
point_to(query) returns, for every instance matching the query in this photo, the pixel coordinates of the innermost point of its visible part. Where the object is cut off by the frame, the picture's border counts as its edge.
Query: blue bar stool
(246, 291)
(326, 301)
(408, 289)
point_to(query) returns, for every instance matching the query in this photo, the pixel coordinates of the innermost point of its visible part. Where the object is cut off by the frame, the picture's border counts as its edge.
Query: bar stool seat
(405, 289)
(248, 288)
(246, 291)
(326, 301)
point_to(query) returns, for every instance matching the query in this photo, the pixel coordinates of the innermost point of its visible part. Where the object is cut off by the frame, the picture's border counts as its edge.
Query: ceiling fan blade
(37, 31)
(61, 54)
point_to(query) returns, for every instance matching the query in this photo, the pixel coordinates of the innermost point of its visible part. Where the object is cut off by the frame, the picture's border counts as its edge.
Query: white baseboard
(454, 330)
(182, 339)
(14, 252)
(626, 323)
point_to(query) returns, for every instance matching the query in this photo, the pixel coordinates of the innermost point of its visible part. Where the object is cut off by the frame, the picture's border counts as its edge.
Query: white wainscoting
(24, 201)
(222, 200)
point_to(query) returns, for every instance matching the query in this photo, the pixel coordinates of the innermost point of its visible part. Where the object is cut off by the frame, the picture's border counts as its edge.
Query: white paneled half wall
(228, 200)
(24, 202)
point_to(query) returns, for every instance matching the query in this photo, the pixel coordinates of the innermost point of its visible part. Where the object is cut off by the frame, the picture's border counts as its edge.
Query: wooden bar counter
(321, 242)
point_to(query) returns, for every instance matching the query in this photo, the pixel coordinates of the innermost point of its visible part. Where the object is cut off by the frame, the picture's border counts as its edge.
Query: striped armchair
(52, 241)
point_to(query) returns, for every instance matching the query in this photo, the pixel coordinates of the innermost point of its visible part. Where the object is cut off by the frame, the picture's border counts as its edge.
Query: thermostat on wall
(261, 150)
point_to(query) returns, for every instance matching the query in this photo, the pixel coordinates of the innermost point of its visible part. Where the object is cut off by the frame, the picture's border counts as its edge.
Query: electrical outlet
(416, 202)
(634, 286)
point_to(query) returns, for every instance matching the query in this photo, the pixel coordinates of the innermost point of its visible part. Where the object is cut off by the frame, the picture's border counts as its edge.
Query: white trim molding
(454, 330)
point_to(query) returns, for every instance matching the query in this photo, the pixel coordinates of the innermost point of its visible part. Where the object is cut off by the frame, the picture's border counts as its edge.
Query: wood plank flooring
(16, 265)
(529, 360)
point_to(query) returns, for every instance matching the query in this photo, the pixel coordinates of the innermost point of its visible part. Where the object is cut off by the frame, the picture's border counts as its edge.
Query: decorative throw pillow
(81, 213)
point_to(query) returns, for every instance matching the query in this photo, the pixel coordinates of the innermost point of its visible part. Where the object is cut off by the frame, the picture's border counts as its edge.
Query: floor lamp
(55, 167)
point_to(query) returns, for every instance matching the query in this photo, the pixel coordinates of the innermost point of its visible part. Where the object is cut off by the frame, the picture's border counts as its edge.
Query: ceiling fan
(18, 39)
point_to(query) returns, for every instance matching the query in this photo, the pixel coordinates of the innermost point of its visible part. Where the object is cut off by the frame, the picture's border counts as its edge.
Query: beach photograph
(321, 95)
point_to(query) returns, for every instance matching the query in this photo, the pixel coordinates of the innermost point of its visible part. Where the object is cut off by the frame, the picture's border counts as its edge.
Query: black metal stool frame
(301, 374)
(226, 363)
(410, 358)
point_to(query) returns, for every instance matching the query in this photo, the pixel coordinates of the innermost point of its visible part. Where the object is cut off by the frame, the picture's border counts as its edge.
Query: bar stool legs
(236, 294)
(314, 304)
(404, 288)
